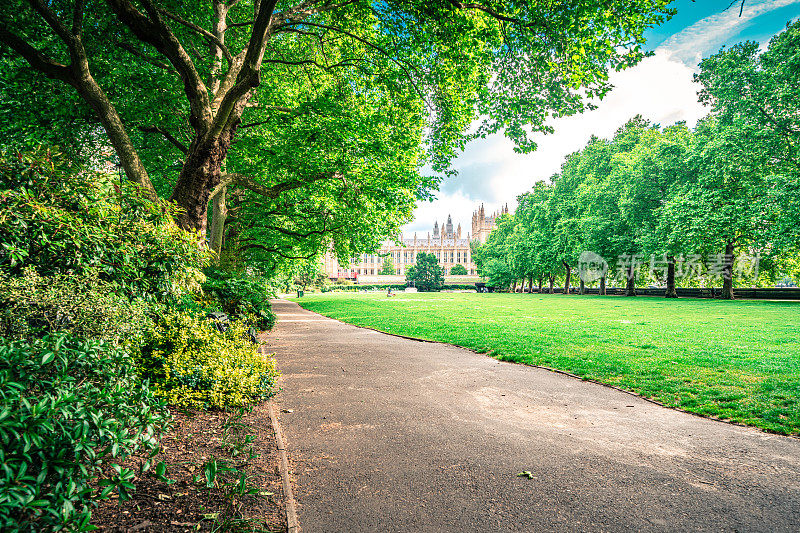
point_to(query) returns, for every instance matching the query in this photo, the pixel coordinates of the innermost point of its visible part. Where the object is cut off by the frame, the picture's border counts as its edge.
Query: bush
(191, 364)
(70, 407)
(241, 298)
(60, 218)
(32, 305)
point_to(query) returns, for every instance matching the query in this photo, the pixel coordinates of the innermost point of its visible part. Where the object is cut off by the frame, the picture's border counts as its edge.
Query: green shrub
(72, 409)
(191, 364)
(60, 218)
(241, 298)
(85, 306)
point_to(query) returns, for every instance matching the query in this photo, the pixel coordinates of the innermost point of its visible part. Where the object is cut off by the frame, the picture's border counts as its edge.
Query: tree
(492, 258)
(458, 270)
(387, 268)
(532, 211)
(720, 210)
(425, 274)
(753, 98)
(196, 99)
(656, 170)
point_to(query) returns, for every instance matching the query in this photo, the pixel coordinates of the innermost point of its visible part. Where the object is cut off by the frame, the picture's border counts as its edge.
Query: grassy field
(738, 361)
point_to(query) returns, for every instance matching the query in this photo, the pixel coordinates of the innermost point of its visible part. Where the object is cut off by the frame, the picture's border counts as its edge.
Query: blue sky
(660, 88)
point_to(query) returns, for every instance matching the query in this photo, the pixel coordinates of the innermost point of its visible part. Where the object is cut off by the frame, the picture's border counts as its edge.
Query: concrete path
(388, 434)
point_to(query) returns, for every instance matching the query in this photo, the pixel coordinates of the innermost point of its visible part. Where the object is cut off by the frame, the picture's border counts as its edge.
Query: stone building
(483, 225)
(445, 242)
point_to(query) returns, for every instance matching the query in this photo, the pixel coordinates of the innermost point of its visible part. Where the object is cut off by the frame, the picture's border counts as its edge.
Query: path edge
(293, 526)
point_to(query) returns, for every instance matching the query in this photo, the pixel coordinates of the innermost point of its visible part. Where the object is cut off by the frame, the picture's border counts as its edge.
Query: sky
(660, 88)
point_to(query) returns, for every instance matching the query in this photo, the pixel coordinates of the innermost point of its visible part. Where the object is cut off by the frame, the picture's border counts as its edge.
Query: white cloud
(660, 88)
(705, 36)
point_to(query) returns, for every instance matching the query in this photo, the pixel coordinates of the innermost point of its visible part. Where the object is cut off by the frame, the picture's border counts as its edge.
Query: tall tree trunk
(569, 277)
(552, 282)
(218, 217)
(514, 288)
(541, 281)
(530, 284)
(671, 292)
(582, 289)
(727, 273)
(602, 291)
(630, 283)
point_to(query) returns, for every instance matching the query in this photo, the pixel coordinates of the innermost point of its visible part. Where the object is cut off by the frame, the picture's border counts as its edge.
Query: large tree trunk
(514, 288)
(671, 292)
(201, 172)
(530, 284)
(727, 273)
(569, 277)
(582, 289)
(552, 282)
(541, 281)
(602, 290)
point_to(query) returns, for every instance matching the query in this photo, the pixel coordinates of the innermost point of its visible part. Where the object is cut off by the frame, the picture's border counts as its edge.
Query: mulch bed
(187, 504)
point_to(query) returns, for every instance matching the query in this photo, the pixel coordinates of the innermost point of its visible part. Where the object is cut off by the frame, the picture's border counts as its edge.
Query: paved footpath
(388, 434)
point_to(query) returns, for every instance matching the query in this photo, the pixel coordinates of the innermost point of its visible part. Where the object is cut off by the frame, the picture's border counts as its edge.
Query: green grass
(738, 361)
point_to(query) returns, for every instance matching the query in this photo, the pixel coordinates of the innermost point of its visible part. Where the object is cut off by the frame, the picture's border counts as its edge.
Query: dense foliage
(242, 298)
(95, 281)
(32, 305)
(458, 270)
(72, 410)
(60, 218)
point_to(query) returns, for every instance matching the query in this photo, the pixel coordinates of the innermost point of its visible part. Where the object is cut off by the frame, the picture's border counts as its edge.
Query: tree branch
(155, 62)
(205, 33)
(273, 191)
(153, 30)
(167, 135)
(374, 47)
(35, 58)
(249, 76)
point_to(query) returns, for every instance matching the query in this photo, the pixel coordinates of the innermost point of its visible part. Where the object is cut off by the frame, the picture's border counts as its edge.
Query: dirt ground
(221, 475)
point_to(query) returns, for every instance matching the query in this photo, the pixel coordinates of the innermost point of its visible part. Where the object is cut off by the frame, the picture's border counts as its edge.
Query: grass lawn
(738, 360)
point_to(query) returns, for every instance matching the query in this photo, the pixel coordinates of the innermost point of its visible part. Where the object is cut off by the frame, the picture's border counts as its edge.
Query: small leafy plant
(73, 410)
(193, 365)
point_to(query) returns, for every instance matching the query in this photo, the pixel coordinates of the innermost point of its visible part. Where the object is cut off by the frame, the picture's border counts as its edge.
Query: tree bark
(218, 217)
(602, 290)
(530, 284)
(630, 283)
(200, 174)
(541, 281)
(582, 289)
(514, 288)
(727, 274)
(569, 277)
(552, 282)
(671, 292)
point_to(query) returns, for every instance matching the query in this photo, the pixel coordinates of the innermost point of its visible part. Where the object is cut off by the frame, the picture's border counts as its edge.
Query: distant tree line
(659, 203)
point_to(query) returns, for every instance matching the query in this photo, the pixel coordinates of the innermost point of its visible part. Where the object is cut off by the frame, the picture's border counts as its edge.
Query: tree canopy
(307, 124)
